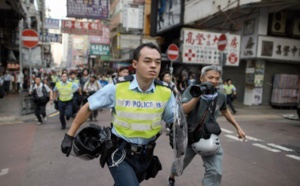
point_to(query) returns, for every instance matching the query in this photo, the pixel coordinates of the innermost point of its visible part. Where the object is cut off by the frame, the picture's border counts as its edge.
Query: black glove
(66, 144)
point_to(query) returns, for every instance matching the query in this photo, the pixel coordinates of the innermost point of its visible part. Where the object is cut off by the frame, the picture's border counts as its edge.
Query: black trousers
(40, 109)
(229, 102)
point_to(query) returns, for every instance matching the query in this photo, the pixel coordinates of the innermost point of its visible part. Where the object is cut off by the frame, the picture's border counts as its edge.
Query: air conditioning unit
(278, 23)
(296, 27)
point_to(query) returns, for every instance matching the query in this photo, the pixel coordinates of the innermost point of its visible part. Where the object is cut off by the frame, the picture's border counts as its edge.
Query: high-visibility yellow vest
(228, 89)
(137, 114)
(54, 78)
(65, 91)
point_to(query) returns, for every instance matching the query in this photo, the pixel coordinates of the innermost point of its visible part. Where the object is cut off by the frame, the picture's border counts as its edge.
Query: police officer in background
(139, 104)
(77, 95)
(65, 91)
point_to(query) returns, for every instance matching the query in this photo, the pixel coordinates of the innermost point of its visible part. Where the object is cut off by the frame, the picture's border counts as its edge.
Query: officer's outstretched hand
(66, 144)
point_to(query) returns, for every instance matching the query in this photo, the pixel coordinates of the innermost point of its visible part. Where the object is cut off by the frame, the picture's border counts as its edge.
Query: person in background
(84, 77)
(20, 80)
(54, 79)
(135, 128)
(202, 108)
(231, 94)
(192, 80)
(166, 77)
(64, 92)
(123, 71)
(77, 95)
(89, 89)
(103, 81)
(13, 83)
(183, 84)
(41, 94)
(6, 85)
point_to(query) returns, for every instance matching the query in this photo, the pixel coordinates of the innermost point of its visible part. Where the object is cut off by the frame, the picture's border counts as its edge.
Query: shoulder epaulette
(122, 79)
(162, 83)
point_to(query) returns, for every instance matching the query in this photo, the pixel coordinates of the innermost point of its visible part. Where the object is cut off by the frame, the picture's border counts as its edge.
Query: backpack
(44, 99)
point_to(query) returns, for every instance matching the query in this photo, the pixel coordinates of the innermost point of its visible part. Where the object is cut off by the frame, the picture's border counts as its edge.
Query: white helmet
(207, 147)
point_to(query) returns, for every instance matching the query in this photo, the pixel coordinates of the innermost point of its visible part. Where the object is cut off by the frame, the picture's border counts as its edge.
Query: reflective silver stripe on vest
(141, 104)
(136, 126)
(138, 116)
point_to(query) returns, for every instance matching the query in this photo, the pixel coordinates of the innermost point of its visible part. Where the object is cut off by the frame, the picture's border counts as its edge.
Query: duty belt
(131, 147)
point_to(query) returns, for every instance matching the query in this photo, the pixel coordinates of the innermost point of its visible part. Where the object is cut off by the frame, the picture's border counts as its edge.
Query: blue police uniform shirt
(105, 98)
(74, 86)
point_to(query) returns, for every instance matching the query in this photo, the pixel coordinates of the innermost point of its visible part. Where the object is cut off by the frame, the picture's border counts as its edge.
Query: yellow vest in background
(138, 114)
(65, 91)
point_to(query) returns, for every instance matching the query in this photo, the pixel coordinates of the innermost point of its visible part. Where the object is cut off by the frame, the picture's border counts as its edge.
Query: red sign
(81, 28)
(222, 42)
(173, 52)
(30, 38)
(232, 58)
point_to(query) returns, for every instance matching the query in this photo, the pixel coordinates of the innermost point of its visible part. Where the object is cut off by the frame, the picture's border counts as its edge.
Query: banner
(201, 47)
(104, 39)
(99, 50)
(89, 9)
(81, 28)
(133, 16)
(49, 37)
(51, 23)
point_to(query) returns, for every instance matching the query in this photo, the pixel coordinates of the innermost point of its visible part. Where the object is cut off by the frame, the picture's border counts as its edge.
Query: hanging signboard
(81, 28)
(99, 50)
(201, 47)
(104, 39)
(51, 23)
(51, 38)
(89, 9)
(133, 16)
(278, 48)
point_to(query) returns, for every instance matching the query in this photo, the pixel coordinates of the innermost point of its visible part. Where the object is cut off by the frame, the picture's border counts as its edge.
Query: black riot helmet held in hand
(203, 88)
(87, 144)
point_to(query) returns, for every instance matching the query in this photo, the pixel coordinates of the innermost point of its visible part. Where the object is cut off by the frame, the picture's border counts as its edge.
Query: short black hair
(136, 52)
(163, 74)
(122, 68)
(228, 80)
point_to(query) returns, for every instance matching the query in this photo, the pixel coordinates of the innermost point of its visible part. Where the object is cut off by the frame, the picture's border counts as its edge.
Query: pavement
(11, 110)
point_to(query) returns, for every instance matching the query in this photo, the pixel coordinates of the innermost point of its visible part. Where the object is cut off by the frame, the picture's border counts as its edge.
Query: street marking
(293, 156)
(253, 139)
(54, 114)
(227, 131)
(280, 147)
(4, 171)
(233, 137)
(265, 147)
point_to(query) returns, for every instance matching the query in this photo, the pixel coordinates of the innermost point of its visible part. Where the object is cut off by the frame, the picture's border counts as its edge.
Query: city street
(31, 156)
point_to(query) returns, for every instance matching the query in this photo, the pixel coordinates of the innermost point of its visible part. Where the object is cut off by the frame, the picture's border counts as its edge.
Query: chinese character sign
(81, 28)
(51, 23)
(90, 9)
(99, 49)
(202, 47)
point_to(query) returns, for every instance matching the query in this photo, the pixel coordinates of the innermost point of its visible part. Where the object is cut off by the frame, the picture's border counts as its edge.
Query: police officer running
(65, 90)
(139, 104)
(202, 103)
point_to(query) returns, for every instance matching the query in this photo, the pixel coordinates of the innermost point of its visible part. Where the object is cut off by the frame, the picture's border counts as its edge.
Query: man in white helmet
(202, 103)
